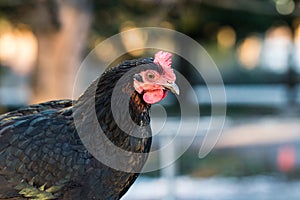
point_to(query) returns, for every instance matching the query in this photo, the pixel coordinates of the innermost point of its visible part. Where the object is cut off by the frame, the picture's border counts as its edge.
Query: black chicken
(43, 156)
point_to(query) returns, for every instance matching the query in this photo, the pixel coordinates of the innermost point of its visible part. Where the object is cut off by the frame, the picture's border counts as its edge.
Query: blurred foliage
(200, 20)
(194, 18)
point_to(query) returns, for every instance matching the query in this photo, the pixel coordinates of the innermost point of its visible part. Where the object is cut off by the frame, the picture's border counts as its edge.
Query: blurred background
(255, 44)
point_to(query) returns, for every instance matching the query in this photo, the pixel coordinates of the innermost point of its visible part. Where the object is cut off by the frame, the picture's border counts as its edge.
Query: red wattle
(154, 96)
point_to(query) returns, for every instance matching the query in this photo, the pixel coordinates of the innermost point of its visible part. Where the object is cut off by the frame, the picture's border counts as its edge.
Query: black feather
(43, 157)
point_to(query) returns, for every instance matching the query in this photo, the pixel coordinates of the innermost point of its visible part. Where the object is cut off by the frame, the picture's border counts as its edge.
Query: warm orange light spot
(249, 52)
(110, 52)
(279, 32)
(18, 47)
(297, 34)
(137, 39)
(226, 37)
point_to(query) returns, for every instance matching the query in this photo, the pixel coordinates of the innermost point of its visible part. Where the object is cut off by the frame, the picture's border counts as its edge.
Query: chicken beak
(172, 87)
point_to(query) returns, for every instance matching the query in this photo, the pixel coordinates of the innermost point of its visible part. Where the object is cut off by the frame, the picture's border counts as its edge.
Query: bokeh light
(18, 47)
(249, 52)
(136, 39)
(285, 7)
(276, 49)
(226, 37)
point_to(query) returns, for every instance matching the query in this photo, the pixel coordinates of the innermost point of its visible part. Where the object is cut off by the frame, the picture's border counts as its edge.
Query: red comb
(163, 59)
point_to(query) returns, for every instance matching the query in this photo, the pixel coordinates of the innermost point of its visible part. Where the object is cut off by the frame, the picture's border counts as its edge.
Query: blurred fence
(241, 94)
(243, 133)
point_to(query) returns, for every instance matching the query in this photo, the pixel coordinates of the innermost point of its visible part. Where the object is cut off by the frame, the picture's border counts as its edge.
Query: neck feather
(101, 96)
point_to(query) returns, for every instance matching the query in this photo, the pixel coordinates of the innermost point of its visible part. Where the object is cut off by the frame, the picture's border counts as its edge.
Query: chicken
(43, 156)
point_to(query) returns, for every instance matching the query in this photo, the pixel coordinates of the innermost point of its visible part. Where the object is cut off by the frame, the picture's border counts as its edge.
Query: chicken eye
(150, 76)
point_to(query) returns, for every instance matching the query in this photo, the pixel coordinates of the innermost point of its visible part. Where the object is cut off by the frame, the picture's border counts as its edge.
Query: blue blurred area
(248, 188)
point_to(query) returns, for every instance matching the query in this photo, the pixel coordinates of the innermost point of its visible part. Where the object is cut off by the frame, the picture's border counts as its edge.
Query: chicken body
(42, 155)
